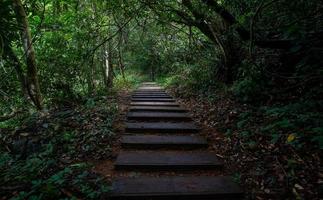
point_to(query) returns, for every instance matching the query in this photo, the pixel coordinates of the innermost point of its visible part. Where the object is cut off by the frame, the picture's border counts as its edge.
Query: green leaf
(36, 19)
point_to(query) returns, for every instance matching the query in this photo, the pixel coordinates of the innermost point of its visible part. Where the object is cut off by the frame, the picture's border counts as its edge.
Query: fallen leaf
(291, 137)
(297, 186)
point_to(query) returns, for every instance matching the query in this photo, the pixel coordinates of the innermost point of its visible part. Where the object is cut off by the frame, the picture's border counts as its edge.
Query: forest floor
(50, 154)
(105, 166)
(266, 169)
(75, 135)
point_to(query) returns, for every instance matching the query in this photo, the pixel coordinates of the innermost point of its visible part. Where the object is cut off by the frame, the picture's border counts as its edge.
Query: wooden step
(168, 104)
(158, 115)
(148, 83)
(163, 141)
(150, 88)
(161, 127)
(149, 92)
(153, 99)
(157, 109)
(176, 187)
(166, 160)
(148, 96)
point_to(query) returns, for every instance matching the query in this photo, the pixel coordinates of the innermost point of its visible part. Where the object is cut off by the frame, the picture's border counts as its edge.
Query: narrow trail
(165, 154)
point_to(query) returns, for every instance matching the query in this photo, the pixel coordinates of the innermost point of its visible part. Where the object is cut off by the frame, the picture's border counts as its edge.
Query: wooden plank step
(168, 104)
(176, 187)
(163, 141)
(148, 92)
(150, 88)
(148, 83)
(158, 115)
(166, 160)
(163, 96)
(153, 99)
(161, 127)
(152, 95)
(157, 109)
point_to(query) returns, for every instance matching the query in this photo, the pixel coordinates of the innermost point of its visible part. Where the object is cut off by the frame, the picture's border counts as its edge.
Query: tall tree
(108, 66)
(32, 82)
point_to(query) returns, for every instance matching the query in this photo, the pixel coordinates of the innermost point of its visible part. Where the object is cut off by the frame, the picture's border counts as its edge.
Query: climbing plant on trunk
(31, 77)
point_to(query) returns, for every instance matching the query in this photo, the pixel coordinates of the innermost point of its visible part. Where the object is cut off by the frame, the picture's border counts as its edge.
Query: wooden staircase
(161, 136)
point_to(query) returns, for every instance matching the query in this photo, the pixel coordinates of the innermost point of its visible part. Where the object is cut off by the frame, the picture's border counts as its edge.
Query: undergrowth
(48, 155)
(272, 142)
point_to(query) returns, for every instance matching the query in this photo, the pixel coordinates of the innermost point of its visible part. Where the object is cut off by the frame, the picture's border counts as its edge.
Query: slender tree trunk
(11, 56)
(90, 80)
(32, 77)
(152, 71)
(121, 65)
(190, 42)
(91, 70)
(104, 66)
(107, 67)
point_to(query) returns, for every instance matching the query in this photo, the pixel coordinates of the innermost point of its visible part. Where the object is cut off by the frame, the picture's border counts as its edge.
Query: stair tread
(157, 109)
(149, 96)
(150, 88)
(163, 139)
(154, 104)
(161, 127)
(193, 187)
(148, 92)
(166, 160)
(157, 115)
(152, 99)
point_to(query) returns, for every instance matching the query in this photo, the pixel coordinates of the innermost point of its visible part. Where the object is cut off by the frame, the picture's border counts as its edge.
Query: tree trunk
(227, 17)
(12, 58)
(121, 65)
(107, 69)
(32, 77)
(91, 71)
(152, 71)
(104, 66)
(90, 79)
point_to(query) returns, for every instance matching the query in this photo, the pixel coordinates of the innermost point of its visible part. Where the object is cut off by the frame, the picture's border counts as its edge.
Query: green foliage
(131, 81)
(195, 77)
(39, 177)
(296, 124)
(49, 166)
(301, 119)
